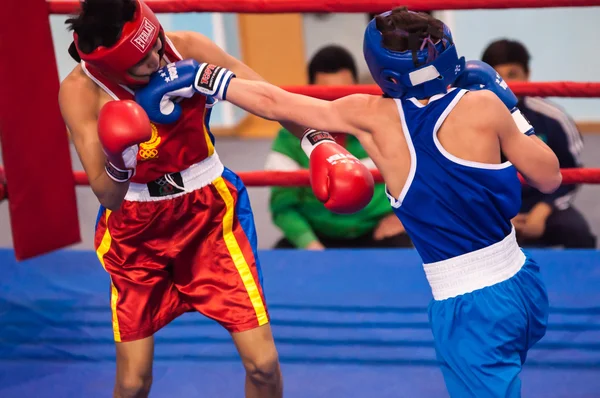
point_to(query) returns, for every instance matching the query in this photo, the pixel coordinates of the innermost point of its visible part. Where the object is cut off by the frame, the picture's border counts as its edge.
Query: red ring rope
(328, 6)
(301, 178)
(537, 89)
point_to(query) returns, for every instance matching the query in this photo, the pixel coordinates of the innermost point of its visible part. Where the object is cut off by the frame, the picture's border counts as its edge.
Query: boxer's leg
(482, 338)
(259, 356)
(218, 273)
(143, 297)
(134, 368)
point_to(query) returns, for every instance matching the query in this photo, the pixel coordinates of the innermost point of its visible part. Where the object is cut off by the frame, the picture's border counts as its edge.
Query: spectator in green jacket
(303, 220)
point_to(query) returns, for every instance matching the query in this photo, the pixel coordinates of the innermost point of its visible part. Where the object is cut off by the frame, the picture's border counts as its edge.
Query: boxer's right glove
(122, 125)
(338, 178)
(478, 75)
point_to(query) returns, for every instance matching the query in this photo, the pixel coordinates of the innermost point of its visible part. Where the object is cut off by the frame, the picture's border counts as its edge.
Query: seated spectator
(544, 220)
(303, 220)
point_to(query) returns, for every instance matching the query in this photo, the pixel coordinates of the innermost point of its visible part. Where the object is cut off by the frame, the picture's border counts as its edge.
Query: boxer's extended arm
(532, 157)
(203, 49)
(338, 179)
(351, 114)
(79, 104)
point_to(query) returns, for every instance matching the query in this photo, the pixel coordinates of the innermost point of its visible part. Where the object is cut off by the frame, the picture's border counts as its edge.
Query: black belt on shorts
(162, 187)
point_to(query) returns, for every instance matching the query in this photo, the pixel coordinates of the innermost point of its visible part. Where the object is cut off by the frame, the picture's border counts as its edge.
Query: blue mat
(348, 323)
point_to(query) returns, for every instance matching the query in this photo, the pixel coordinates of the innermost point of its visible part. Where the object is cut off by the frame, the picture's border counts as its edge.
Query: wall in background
(561, 42)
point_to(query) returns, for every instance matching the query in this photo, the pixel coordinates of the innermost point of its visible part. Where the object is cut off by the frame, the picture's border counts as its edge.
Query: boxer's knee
(132, 386)
(259, 355)
(134, 368)
(263, 368)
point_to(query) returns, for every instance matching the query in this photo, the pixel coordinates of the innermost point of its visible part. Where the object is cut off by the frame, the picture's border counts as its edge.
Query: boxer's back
(462, 205)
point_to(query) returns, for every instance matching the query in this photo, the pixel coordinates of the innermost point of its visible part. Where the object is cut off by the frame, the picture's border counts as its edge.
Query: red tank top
(173, 147)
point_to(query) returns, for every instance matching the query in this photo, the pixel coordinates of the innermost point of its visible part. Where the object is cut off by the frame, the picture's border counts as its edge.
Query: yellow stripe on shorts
(102, 249)
(236, 253)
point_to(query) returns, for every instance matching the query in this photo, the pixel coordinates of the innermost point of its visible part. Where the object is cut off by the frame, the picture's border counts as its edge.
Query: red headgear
(137, 39)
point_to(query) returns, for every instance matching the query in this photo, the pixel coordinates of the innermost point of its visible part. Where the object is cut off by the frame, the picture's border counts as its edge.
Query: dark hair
(372, 15)
(404, 30)
(506, 51)
(331, 59)
(100, 22)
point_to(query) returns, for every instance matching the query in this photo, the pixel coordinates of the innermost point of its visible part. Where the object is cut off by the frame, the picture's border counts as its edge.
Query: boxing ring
(347, 323)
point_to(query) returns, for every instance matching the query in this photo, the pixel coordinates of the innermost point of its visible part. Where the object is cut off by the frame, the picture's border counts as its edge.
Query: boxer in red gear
(175, 231)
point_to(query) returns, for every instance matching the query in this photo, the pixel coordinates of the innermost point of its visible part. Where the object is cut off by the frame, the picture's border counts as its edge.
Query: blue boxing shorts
(490, 307)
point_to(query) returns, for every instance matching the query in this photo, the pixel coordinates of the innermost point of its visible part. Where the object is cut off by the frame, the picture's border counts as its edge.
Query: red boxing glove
(122, 125)
(338, 178)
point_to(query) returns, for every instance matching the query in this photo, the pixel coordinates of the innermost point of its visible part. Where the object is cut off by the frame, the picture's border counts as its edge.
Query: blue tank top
(450, 206)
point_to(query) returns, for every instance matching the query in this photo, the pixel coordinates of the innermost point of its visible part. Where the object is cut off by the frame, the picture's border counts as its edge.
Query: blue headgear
(419, 73)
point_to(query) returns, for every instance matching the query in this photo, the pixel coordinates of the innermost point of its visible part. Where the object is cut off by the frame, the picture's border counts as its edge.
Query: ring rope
(537, 89)
(327, 6)
(302, 178)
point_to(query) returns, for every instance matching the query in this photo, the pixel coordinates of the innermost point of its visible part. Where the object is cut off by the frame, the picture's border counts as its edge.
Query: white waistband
(194, 177)
(475, 270)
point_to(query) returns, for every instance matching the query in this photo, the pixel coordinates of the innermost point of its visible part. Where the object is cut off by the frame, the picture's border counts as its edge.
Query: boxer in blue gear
(437, 136)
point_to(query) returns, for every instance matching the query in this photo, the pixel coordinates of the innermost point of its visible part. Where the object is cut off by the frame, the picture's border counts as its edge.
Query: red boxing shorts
(192, 250)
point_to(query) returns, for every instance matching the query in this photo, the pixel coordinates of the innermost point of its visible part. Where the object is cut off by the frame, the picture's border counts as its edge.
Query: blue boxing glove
(181, 79)
(478, 75)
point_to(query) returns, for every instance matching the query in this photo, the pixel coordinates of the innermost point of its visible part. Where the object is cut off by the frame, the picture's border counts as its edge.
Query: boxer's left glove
(122, 125)
(181, 79)
(338, 178)
(478, 75)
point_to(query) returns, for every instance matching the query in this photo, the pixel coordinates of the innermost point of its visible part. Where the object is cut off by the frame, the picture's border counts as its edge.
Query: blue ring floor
(347, 323)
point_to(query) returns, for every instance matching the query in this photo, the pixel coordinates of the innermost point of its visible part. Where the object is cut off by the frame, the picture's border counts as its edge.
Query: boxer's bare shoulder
(77, 79)
(476, 120)
(78, 91)
(80, 100)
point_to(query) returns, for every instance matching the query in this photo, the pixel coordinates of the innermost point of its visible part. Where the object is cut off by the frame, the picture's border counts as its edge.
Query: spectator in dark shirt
(544, 220)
